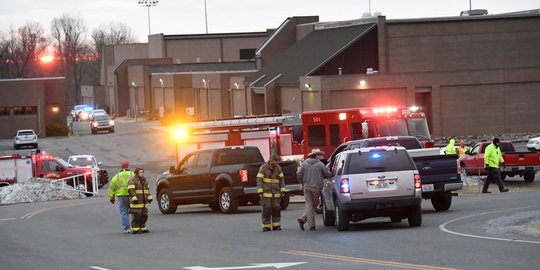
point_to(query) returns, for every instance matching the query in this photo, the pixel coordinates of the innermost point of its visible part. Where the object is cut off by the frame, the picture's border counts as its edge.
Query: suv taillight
(243, 175)
(344, 187)
(417, 181)
(458, 167)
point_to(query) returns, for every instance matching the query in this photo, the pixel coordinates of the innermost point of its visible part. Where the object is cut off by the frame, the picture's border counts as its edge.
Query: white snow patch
(526, 223)
(38, 190)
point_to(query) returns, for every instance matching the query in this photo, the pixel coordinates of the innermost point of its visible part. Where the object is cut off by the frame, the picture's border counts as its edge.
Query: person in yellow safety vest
(140, 196)
(492, 158)
(451, 147)
(271, 187)
(118, 188)
(462, 149)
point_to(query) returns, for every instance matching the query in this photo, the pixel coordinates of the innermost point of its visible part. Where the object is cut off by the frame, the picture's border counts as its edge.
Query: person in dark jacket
(140, 197)
(311, 175)
(271, 187)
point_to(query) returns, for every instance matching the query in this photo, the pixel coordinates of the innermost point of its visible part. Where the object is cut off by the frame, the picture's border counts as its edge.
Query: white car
(90, 161)
(534, 144)
(25, 137)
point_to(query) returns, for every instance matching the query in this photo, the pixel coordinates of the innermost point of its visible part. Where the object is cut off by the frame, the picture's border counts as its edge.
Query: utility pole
(148, 4)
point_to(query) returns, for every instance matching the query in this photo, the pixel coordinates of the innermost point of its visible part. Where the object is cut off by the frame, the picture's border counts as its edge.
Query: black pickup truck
(223, 178)
(440, 174)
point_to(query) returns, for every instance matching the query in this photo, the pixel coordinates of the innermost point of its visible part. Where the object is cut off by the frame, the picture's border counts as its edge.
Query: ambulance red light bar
(385, 110)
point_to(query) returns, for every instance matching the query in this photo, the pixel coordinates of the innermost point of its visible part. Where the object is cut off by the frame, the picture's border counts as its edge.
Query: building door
(422, 96)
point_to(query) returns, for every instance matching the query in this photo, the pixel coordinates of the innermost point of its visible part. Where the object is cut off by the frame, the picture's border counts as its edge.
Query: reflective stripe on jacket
(493, 156)
(270, 181)
(139, 192)
(119, 184)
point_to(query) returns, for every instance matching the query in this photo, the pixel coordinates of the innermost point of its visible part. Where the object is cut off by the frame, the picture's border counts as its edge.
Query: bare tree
(69, 34)
(21, 50)
(111, 34)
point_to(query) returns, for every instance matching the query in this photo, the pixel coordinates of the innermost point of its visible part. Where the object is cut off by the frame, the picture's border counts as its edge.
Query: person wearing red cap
(118, 188)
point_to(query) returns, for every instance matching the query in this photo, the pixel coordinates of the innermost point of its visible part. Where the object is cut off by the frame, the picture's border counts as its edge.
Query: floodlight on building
(133, 84)
(308, 86)
(363, 83)
(236, 85)
(161, 82)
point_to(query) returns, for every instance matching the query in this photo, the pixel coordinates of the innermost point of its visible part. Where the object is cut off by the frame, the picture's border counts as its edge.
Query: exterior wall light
(308, 86)
(133, 84)
(362, 82)
(55, 109)
(236, 85)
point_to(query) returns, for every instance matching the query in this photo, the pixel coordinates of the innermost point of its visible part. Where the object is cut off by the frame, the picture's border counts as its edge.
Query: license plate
(427, 187)
(381, 184)
(521, 168)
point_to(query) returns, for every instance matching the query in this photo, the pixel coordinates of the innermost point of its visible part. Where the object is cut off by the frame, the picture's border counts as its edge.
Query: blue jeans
(123, 208)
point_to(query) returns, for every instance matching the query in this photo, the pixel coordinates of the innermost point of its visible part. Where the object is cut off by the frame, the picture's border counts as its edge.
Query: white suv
(25, 137)
(372, 182)
(534, 144)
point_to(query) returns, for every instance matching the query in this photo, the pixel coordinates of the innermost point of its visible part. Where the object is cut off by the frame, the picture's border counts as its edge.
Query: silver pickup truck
(372, 182)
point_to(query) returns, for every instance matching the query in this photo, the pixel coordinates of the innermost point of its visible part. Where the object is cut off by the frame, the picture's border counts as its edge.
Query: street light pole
(205, 17)
(148, 4)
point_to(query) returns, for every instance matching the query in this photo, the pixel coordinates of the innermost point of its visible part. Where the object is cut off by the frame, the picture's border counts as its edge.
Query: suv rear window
(407, 143)
(379, 161)
(26, 132)
(238, 156)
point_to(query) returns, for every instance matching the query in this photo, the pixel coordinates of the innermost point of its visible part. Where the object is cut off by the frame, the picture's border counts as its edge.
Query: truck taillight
(458, 166)
(243, 175)
(417, 181)
(344, 187)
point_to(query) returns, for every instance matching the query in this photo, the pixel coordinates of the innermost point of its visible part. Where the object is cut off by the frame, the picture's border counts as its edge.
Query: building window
(25, 110)
(246, 54)
(316, 135)
(4, 111)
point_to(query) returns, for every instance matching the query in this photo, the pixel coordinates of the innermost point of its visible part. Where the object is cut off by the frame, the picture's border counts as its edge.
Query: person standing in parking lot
(118, 190)
(140, 198)
(271, 187)
(492, 158)
(462, 149)
(451, 147)
(311, 175)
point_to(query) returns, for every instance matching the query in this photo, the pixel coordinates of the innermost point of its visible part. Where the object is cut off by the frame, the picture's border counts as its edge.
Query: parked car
(524, 164)
(440, 173)
(534, 144)
(223, 178)
(372, 182)
(102, 122)
(89, 161)
(25, 137)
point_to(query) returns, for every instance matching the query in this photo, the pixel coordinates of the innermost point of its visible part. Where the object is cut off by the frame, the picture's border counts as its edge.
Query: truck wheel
(415, 216)
(529, 176)
(285, 200)
(342, 219)
(227, 202)
(328, 217)
(166, 204)
(442, 202)
(214, 206)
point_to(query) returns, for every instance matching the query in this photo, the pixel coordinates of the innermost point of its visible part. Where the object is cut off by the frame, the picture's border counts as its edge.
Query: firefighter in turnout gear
(140, 196)
(118, 191)
(271, 187)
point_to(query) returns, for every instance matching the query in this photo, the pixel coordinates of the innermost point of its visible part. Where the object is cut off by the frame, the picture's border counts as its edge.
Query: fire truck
(325, 130)
(293, 136)
(20, 168)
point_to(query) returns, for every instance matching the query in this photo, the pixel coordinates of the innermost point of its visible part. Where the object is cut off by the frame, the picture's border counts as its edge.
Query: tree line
(75, 56)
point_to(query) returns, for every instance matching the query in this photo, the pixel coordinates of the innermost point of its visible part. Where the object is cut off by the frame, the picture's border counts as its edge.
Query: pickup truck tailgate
(522, 159)
(438, 168)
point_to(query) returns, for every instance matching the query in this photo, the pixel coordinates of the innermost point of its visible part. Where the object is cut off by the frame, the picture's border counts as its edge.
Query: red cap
(124, 164)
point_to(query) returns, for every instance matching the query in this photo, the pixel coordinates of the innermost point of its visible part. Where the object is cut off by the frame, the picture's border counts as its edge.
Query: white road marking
(256, 265)
(443, 228)
(7, 219)
(98, 268)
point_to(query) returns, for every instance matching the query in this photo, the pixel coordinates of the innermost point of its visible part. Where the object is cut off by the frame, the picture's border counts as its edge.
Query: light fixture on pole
(148, 4)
